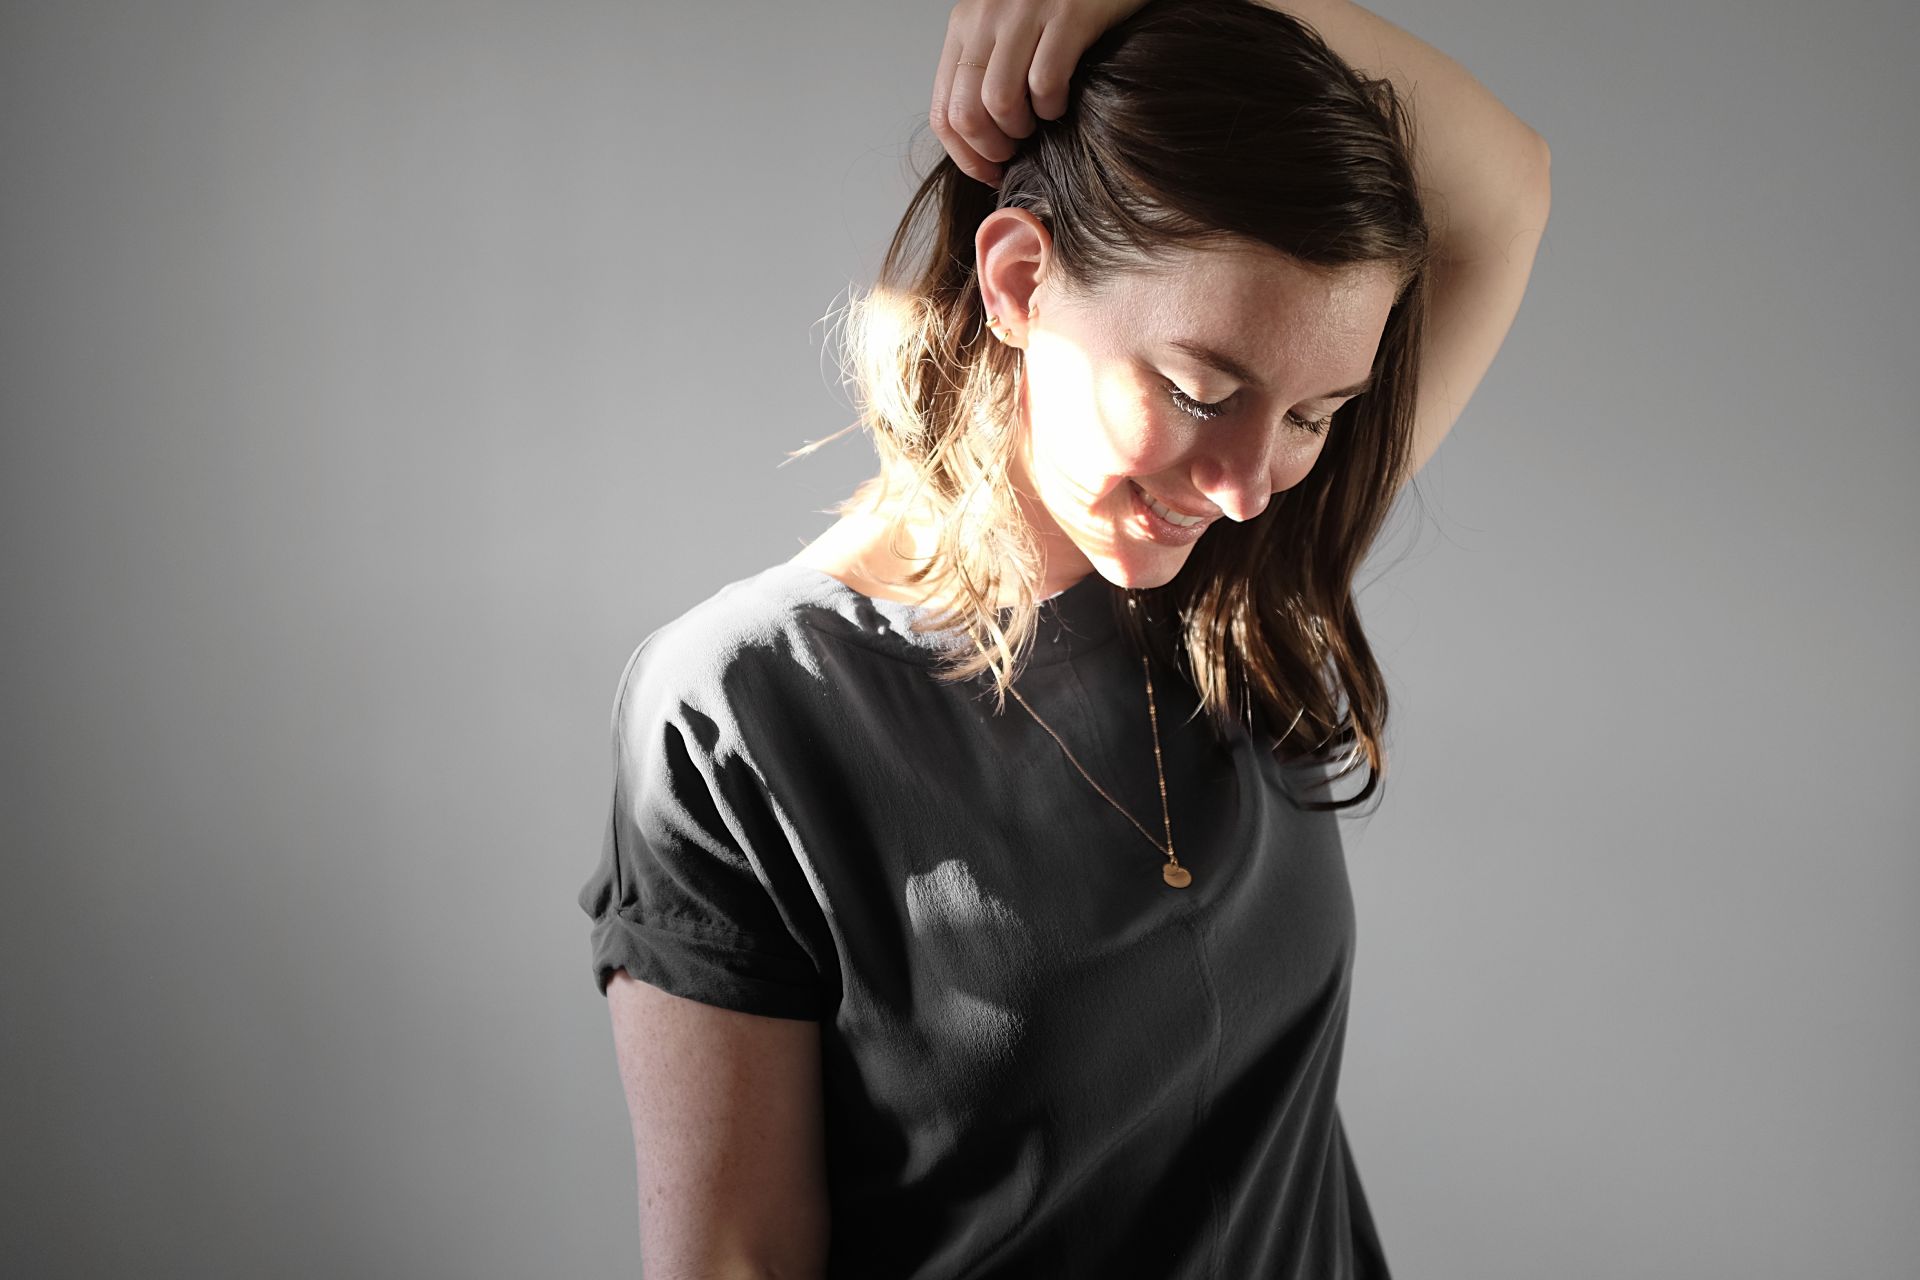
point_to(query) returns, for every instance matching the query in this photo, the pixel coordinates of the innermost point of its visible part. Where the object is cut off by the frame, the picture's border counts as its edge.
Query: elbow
(1540, 168)
(1531, 186)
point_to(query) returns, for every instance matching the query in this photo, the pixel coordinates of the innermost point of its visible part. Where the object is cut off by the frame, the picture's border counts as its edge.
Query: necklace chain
(1174, 874)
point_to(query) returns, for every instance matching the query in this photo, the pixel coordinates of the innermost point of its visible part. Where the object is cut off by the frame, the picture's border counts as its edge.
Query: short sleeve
(685, 897)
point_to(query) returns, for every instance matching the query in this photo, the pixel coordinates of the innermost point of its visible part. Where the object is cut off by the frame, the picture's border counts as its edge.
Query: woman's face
(1118, 404)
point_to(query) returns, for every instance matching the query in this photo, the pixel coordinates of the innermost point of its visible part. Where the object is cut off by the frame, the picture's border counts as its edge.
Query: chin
(1138, 573)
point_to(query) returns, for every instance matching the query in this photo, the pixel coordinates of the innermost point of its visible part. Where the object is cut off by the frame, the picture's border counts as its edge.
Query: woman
(910, 979)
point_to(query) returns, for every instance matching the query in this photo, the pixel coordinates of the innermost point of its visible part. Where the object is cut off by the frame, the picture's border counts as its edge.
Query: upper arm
(1475, 294)
(704, 944)
(728, 1134)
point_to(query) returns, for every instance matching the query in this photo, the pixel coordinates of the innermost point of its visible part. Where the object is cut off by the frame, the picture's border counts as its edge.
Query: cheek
(1151, 437)
(1082, 424)
(1099, 431)
(1139, 433)
(1297, 458)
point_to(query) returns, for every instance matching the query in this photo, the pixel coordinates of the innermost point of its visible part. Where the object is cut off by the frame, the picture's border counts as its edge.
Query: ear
(1011, 250)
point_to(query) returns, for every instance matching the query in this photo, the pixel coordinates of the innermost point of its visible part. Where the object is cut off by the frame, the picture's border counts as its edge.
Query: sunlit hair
(1191, 124)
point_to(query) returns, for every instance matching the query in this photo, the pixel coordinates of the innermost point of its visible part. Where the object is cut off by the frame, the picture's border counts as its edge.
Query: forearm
(1482, 170)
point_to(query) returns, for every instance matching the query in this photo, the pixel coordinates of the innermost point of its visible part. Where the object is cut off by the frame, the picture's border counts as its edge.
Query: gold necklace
(1173, 873)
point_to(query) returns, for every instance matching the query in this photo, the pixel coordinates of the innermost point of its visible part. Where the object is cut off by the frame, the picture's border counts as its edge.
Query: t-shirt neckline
(1071, 621)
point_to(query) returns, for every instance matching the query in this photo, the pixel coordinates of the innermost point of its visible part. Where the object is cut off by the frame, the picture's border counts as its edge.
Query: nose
(1248, 466)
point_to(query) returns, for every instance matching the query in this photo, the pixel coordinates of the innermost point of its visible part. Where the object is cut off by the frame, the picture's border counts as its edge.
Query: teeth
(1171, 515)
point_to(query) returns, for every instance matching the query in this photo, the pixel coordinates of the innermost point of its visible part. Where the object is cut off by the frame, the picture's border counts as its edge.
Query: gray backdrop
(375, 375)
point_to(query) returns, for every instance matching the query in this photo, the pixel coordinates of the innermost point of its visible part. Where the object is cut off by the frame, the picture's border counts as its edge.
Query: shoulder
(741, 653)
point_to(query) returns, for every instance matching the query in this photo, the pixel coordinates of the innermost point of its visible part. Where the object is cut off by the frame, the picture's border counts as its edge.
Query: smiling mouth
(1151, 521)
(1172, 513)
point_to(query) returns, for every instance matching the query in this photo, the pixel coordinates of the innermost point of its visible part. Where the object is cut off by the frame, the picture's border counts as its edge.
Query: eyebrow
(1235, 369)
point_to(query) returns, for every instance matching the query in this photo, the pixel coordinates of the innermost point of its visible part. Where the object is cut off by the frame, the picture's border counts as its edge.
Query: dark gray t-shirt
(1039, 1059)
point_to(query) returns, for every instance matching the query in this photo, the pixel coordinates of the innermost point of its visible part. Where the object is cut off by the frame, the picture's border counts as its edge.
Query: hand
(1030, 47)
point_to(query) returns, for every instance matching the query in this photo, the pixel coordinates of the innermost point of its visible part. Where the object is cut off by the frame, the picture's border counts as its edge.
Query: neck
(860, 551)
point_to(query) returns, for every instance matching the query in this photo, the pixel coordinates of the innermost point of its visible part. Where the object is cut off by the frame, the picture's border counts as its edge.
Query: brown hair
(1191, 123)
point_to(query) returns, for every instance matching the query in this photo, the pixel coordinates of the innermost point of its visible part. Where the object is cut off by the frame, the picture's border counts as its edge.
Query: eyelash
(1207, 412)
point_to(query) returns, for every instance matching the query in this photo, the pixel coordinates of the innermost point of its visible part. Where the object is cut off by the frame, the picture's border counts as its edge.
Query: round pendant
(1178, 877)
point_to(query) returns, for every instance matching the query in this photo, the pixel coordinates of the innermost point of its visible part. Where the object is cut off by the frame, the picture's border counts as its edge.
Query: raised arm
(1484, 178)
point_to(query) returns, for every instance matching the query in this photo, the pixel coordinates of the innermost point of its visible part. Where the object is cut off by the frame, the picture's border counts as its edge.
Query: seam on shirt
(700, 930)
(1203, 1104)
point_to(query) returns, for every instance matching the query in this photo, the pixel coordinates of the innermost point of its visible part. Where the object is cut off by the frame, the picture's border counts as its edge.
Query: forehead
(1258, 301)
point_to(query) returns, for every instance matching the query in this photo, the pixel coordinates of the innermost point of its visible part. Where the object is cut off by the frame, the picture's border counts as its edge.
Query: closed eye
(1206, 412)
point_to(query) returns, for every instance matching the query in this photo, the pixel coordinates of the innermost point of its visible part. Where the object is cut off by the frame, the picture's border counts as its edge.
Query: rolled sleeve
(683, 898)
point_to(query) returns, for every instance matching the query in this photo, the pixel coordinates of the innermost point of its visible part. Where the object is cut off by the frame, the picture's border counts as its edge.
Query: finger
(969, 133)
(1003, 90)
(950, 56)
(968, 114)
(1054, 57)
(971, 162)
